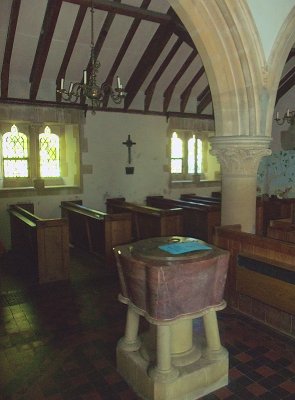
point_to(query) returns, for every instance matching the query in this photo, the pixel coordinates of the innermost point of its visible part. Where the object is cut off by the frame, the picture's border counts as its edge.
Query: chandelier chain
(88, 88)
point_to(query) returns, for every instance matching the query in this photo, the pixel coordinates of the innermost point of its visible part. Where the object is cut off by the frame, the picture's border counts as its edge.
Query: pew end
(43, 242)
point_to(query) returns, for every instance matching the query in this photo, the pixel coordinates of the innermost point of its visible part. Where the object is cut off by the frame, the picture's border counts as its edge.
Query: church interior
(147, 200)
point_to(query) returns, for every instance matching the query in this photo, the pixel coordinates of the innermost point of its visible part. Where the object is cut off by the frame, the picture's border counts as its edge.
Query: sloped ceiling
(142, 41)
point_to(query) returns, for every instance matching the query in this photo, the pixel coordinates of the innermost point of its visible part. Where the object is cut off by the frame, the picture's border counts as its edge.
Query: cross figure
(129, 144)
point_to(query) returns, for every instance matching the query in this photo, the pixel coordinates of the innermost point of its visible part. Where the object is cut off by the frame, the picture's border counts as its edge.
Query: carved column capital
(239, 155)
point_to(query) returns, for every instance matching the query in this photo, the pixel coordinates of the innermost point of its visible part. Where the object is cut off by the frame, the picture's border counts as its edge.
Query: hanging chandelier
(94, 93)
(288, 117)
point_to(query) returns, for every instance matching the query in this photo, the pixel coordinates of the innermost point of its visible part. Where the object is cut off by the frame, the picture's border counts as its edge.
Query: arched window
(190, 157)
(49, 154)
(176, 154)
(15, 154)
(30, 152)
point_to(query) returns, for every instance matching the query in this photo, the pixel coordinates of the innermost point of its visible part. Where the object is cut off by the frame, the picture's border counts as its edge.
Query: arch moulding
(227, 40)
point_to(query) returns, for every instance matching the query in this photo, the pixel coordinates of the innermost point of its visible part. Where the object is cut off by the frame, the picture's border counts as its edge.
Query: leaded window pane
(176, 166)
(199, 155)
(49, 154)
(191, 152)
(176, 146)
(176, 154)
(15, 154)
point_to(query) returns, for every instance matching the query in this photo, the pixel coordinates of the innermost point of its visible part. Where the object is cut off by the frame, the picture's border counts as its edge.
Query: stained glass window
(49, 154)
(15, 154)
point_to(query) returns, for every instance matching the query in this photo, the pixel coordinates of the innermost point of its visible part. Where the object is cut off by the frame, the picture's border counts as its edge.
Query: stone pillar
(239, 157)
(131, 341)
(163, 371)
(214, 350)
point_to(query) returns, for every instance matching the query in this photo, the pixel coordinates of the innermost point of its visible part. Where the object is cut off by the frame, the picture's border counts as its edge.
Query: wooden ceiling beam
(170, 89)
(204, 99)
(286, 83)
(187, 91)
(70, 47)
(98, 45)
(147, 61)
(14, 12)
(45, 38)
(124, 9)
(291, 54)
(128, 38)
(152, 85)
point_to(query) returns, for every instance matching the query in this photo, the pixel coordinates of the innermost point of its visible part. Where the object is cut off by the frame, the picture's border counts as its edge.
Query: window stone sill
(191, 183)
(31, 191)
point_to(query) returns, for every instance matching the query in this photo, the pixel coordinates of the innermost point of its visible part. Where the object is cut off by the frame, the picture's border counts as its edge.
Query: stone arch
(229, 45)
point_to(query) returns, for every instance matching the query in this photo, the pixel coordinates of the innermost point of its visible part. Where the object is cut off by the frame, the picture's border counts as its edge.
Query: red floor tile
(60, 344)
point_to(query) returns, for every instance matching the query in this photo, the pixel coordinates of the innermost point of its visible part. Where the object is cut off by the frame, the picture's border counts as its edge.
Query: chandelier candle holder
(288, 117)
(96, 94)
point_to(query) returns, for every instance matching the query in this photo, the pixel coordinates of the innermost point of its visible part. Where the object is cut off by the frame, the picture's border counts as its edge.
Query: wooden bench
(199, 219)
(261, 276)
(281, 229)
(97, 231)
(42, 242)
(273, 209)
(266, 211)
(200, 199)
(149, 221)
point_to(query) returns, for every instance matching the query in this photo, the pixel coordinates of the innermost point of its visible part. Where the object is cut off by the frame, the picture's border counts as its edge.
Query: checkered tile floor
(57, 342)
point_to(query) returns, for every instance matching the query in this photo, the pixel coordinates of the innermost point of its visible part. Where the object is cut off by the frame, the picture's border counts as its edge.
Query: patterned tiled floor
(58, 342)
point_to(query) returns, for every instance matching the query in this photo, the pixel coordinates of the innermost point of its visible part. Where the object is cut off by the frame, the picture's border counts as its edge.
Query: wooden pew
(149, 221)
(273, 209)
(200, 199)
(97, 231)
(266, 211)
(42, 242)
(261, 275)
(281, 229)
(199, 220)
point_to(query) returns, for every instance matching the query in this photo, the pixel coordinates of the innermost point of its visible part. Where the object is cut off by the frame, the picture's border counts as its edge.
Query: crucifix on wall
(129, 143)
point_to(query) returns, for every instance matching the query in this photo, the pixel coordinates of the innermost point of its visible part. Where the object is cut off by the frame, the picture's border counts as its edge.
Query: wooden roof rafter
(127, 10)
(99, 43)
(204, 99)
(184, 97)
(45, 38)
(70, 47)
(152, 85)
(129, 36)
(291, 54)
(170, 89)
(147, 61)
(14, 12)
(286, 83)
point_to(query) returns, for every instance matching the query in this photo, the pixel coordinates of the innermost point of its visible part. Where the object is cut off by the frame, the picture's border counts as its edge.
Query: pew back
(97, 231)
(199, 218)
(260, 268)
(200, 199)
(149, 221)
